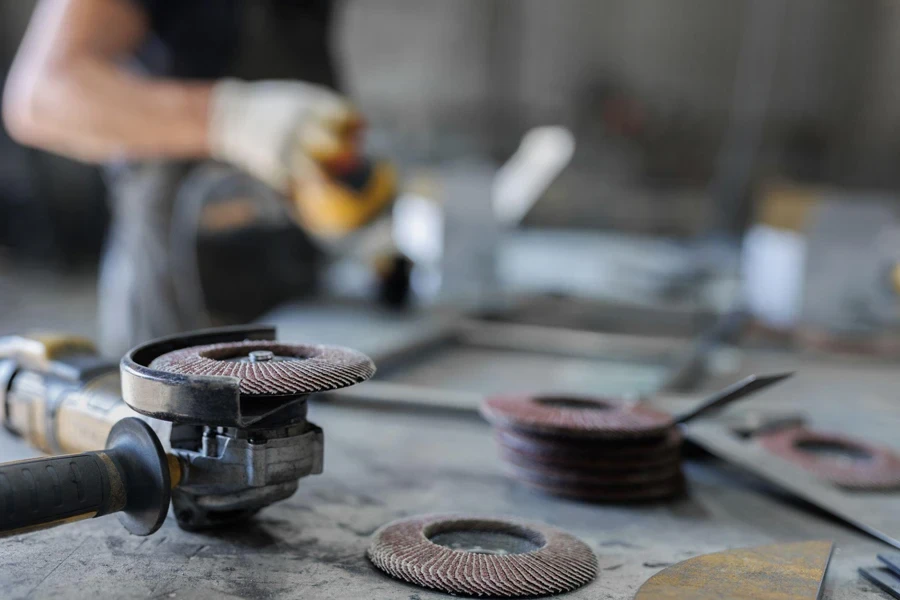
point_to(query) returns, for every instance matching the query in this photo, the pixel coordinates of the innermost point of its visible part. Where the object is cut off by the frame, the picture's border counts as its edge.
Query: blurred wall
(432, 64)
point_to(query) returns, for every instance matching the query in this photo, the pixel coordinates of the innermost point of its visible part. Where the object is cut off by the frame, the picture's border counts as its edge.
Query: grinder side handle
(131, 476)
(45, 492)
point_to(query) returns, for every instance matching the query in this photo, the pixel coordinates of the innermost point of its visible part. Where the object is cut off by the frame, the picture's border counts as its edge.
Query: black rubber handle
(131, 476)
(44, 492)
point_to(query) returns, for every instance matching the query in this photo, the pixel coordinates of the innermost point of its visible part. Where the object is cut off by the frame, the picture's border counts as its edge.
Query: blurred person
(207, 114)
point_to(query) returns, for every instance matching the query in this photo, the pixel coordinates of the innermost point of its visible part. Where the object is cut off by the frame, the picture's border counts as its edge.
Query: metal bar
(378, 393)
(736, 391)
(430, 341)
(571, 342)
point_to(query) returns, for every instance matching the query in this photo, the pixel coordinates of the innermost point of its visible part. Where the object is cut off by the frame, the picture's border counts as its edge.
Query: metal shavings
(290, 369)
(482, 556)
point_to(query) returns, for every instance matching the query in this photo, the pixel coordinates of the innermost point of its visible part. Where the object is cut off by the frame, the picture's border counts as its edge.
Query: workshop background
(692, 120)
(686, 116)
(678, 202)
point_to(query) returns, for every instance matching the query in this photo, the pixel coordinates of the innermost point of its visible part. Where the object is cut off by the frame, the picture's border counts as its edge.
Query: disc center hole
(485, 537)
(269, 353)
(833, 450)
(573, 403)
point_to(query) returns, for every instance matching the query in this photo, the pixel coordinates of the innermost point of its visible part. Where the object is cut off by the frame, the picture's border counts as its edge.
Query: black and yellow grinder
(217, 416)
(345, 202)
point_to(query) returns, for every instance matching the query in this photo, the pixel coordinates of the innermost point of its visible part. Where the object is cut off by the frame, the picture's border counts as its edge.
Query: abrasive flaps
(575, 417)
(586, 448)
(482, 556)
(568, 451)
(272, 368)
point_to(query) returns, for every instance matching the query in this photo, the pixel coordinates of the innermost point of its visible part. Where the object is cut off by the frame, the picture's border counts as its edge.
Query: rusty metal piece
(271, 368)
(841, 460)
(776, 572)
(575, 417)
(482, 556)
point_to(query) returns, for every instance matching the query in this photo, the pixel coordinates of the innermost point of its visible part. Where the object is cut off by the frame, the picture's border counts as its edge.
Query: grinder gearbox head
(233, 376)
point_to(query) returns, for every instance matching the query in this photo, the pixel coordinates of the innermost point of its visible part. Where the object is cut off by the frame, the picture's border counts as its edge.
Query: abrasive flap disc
(575, 417)
(272, 368)
(482, 556)
(840, 460)
(588, 448)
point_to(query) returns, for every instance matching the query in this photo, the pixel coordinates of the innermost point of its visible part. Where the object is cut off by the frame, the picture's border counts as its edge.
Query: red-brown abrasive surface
(560, 451)
(297, 368)
(611, 494)
(575, 417)
(557, 561)
(587, 448)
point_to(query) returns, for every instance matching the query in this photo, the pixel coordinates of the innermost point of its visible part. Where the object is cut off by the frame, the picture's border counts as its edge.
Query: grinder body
(62, 397)
(58, 393)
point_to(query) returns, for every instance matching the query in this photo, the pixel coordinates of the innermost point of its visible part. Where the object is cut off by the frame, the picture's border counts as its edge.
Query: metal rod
(744, 387)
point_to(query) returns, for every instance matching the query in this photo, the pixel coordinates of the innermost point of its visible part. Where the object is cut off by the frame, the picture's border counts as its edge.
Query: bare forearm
(94, 111)
(68, 93)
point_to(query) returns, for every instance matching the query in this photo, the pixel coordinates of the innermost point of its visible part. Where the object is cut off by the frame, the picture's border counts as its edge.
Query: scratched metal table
(385, 462)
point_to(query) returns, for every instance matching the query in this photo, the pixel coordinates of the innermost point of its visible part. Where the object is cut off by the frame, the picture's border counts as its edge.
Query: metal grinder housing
(228, 404)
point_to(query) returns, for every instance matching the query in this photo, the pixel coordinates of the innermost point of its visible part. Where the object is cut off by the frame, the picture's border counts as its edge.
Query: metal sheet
(883, 578)
(774, 572)
(874, 512)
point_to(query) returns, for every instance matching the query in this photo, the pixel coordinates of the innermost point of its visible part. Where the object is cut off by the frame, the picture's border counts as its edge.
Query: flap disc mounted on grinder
(267, 368)
(482, 556)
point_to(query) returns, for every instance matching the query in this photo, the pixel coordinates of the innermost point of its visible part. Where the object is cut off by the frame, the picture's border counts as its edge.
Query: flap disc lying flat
(482, 556)
(776, 572)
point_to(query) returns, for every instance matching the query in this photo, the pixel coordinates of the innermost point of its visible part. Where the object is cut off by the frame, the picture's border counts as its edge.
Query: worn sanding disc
(562, 451)
(646, 492)
(590, 449)
(272, 368)
(841, 460)
(604, 473)
(575, 417)
(482, 556)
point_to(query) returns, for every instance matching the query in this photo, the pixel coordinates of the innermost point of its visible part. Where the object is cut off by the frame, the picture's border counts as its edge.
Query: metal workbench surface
(383, 463)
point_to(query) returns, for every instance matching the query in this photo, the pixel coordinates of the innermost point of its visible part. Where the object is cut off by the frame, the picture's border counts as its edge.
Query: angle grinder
(214, 420)
(344, 203)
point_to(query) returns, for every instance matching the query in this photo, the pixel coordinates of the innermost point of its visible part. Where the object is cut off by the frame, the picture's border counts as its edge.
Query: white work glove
(279, 131)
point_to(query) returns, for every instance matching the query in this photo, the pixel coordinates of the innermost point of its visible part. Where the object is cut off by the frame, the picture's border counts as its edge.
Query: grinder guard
(236, 451)
(239, 451)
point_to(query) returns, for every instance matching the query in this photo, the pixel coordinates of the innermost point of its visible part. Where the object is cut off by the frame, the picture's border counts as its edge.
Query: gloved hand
(281, 131)
(303, 140)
